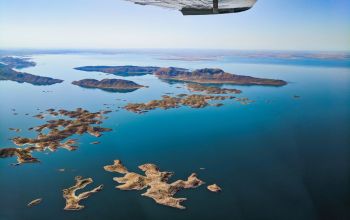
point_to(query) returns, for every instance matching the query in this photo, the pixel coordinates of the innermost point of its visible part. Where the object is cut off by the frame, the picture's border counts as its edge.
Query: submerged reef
(194, 87)
(81, 121)
(6, 73)
(193, 101)
(155, 181)
(72, 200)
(113, 85)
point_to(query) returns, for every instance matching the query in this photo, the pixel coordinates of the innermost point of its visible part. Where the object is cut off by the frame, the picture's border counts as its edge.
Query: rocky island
(213, 76)
(72, 200)
(112, 85)
(7, 73)
(81, 121)
(120, 70)
(155, 181)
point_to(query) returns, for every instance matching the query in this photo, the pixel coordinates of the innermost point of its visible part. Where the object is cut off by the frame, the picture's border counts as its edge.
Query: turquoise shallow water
(277, 158)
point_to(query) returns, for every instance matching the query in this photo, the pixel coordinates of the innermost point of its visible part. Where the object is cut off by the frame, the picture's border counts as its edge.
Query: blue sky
(271, 24)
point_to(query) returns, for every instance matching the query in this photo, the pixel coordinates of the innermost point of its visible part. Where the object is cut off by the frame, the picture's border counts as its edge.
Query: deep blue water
(277, 158)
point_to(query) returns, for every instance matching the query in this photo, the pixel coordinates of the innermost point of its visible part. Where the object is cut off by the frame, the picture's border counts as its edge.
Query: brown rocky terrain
(155, 181)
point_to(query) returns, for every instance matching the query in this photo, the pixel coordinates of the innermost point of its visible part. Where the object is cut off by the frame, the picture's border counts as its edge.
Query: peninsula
(109, 84)
(7, 73)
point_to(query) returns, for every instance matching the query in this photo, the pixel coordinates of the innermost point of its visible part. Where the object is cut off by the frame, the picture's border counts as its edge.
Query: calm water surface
(278, 158)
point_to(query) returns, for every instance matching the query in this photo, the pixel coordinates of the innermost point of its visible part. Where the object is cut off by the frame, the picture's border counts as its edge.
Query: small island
(214, 188)
(7, 73)
(213, 76)
(120, 70)
(17, 62)
(35, 202)
(155, 181)
(113, 85)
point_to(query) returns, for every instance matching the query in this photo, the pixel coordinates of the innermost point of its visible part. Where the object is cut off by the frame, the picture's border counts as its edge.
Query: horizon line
(174, 49)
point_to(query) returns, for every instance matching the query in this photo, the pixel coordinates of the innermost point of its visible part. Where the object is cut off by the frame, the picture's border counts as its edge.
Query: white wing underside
(197, 4)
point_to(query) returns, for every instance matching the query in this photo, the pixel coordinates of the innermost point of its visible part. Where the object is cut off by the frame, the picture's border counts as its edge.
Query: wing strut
(215, 6)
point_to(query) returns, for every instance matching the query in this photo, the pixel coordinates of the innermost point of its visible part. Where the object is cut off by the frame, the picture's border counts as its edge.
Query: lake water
(277, 158)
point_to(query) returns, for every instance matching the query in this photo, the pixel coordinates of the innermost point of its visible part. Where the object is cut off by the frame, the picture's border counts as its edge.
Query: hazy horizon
(101, 49)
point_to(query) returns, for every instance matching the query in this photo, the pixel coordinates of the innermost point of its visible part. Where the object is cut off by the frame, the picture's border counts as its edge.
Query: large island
(214, 76)
(204, 76)
(113, 85)
(7, 73)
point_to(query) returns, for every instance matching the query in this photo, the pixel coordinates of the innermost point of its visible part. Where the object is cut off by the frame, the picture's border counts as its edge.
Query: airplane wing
(201, 7)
